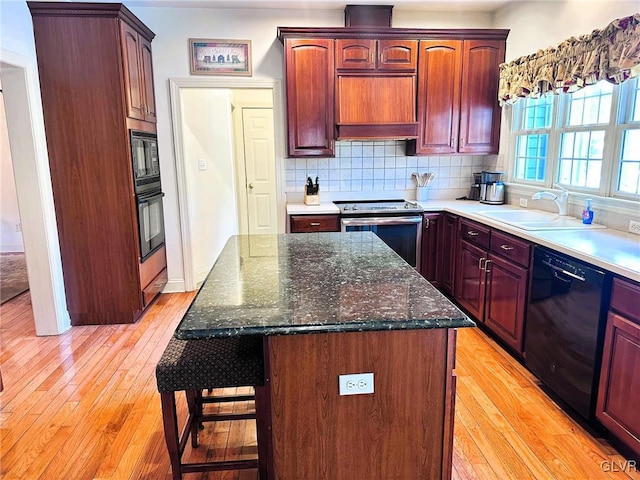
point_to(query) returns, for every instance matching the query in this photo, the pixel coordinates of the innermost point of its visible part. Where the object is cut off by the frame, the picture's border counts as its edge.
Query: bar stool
(205, 364)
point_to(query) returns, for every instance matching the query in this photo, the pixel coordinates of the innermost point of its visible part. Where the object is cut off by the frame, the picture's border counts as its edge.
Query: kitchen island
(329, 305)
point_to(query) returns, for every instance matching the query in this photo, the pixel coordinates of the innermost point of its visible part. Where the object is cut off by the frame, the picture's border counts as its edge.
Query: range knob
(355, 207)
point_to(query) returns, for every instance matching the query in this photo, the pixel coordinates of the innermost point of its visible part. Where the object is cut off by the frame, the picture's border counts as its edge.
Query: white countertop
(612, 250)
(302, 209)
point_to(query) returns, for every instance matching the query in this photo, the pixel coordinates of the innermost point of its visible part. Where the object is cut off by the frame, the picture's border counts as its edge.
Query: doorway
(254, 152)
(238, 90)
(25, 127)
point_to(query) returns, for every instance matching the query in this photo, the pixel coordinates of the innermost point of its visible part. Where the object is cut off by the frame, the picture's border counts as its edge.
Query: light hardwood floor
(84, 405)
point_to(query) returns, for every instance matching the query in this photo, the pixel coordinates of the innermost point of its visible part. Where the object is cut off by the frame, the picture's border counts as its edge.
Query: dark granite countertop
(314, 282)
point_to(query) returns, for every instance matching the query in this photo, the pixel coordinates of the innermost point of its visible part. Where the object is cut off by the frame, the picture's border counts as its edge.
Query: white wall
(10, 237)
(207, 135)
(538, 25)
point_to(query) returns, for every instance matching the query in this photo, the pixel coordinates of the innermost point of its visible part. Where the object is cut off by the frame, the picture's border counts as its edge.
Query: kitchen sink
(537, 220)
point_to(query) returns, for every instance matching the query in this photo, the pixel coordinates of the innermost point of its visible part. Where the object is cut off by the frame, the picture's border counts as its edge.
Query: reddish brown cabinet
(435, 88)
(371, 54)
(479, 108)
(458, 108)
(314, 223)
(471, 276)
(506, 295)
(309, 76)
(94, 64)
(620, 373)
(492, 280)
(448, 251)
(431, 257)
(138, 74)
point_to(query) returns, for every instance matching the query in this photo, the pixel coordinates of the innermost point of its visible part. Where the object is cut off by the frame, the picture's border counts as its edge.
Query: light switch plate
(356, 384)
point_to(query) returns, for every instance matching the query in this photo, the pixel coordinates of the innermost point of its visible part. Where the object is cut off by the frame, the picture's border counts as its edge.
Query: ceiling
(404, 5)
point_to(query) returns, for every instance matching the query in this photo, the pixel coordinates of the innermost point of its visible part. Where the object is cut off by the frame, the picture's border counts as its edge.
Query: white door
(258, 150)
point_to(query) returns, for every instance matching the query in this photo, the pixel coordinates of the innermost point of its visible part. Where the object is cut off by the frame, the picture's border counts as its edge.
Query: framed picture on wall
(220, 57)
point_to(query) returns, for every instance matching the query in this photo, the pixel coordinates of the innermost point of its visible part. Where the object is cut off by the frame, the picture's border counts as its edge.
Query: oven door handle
(349, 222)
(147, 198)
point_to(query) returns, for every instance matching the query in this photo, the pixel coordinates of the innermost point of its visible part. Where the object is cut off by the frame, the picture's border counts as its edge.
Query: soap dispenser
(587, 213)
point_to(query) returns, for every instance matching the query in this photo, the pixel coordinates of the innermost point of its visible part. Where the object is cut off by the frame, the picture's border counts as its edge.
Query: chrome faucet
(562, 201)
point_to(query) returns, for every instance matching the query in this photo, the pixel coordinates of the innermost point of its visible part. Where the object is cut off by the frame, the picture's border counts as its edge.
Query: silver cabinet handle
(506, 248)
(480, 260)
(486, 266)
(314, 224)
(426, 223)
(471, 233)
(251, 186)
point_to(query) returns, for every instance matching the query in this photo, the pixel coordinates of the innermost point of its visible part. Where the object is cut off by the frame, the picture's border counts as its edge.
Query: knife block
(311, 199)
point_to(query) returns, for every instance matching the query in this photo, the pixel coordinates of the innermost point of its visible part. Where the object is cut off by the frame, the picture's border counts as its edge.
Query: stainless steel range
(397, 222)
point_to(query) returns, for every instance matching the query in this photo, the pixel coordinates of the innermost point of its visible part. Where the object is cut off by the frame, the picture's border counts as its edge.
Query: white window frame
(621, 105)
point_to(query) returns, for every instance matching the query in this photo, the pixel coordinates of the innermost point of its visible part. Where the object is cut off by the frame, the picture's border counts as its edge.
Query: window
(585, 141)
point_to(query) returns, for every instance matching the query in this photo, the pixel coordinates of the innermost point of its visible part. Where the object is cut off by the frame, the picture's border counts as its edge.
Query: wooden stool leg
(194, 402)
(170, 423)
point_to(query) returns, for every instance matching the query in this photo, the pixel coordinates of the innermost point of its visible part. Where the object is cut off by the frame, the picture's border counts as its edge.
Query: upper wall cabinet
(138, 74)
(309, 74)
(458, 109)
(436, 88)
(367, 54)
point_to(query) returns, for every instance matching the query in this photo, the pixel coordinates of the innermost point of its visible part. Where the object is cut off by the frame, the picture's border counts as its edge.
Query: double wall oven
(397, 222)
(148, 191)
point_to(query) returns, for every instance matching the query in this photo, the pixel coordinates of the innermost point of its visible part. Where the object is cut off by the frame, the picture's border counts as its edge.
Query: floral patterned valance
(612, 54)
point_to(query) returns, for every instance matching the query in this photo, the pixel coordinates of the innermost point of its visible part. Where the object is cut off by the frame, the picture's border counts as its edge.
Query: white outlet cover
(356, 384)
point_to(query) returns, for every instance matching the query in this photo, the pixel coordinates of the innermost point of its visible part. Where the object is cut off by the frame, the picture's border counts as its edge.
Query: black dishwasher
(565, 327)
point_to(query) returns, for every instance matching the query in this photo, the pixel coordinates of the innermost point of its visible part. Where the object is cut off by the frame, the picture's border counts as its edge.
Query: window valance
(612, 54)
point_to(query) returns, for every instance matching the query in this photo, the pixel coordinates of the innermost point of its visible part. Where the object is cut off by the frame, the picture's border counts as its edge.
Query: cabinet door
(309, 71)
(448, 245)
(440, 67)
(620, 381)
(506, 297)
(479, 109)
(355, 54)
(471, 279)
(431, 261)
(133, 80)
(147, 76)
(398, 55)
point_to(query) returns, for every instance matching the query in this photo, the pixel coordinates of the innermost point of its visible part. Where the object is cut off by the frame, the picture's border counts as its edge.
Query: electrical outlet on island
(634, 226)
(524, 202)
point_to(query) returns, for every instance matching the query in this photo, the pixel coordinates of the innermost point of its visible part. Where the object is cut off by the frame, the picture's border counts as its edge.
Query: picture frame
(220, 57)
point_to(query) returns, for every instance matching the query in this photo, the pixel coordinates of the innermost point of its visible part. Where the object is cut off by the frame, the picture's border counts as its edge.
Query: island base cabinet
(402, 430)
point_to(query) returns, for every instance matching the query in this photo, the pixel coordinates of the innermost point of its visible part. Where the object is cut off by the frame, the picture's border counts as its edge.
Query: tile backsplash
(384, 167)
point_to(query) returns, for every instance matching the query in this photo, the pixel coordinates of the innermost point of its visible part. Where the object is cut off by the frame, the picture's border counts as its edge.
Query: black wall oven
(146, 164)
(148, 191)
(396, 222)
(150, 223)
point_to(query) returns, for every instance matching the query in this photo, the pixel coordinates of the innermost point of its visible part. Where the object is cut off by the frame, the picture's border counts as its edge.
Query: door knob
(251, 186)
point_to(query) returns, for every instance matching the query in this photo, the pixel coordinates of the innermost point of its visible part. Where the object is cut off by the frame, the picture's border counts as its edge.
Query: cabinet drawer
(510, 248)
(315, 223)
(625, 298)
(475, 233)
(155, 287)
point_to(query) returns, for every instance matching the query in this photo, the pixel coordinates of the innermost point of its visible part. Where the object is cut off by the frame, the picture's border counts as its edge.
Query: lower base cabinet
(617, 407)
(314, 223)
(492, 279)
